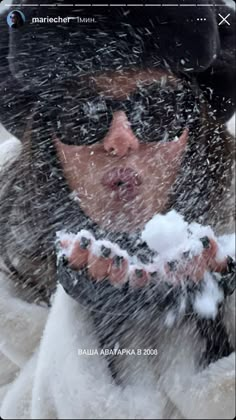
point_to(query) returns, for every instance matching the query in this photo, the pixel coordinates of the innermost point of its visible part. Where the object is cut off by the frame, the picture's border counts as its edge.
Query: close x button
(223, 20)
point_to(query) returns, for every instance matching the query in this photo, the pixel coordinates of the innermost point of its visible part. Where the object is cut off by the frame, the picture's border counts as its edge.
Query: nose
(120, 138)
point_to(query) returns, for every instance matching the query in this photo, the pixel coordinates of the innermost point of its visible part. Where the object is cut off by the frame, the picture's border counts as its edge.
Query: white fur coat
(43, 376)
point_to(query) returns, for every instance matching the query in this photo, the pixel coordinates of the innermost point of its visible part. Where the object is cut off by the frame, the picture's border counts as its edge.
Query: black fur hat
(41, 55)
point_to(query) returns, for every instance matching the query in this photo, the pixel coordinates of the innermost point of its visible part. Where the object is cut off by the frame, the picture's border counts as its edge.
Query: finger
(99, 263)
(119, 270)
(206, 260)
(78, 257)
(210, 249)
(138, 277)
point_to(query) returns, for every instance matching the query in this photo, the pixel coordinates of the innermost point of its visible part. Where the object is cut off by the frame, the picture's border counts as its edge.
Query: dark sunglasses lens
(81, 122)
(162, 113)
(155, 113)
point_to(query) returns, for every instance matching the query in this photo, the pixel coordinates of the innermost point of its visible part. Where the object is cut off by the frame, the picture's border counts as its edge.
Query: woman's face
(123, 180)
(13, 19)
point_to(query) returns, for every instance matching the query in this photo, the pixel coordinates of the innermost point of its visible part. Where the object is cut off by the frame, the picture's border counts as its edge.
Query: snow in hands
(190, 274)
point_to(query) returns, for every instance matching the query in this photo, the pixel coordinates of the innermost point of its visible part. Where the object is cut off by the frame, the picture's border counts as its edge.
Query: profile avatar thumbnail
(16, 19)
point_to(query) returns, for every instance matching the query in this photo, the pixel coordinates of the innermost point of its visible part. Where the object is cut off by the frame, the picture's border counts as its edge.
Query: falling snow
(53, 332)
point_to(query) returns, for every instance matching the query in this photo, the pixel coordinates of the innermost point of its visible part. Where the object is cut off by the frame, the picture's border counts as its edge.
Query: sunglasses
(155, 112)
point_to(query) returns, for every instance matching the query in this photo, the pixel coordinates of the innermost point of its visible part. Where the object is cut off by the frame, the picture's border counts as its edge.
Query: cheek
(69, 159)
(75, 170)
(79, 165)
(164, 160)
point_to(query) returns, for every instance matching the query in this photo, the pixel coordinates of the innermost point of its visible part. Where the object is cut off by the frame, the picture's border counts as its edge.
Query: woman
(16, 20)
(101, 135)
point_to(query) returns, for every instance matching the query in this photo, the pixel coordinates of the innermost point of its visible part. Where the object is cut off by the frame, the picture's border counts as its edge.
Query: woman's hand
(106, 260)
(98, 271)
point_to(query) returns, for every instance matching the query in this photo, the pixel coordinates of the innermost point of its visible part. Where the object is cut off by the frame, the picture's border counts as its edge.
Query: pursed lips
(124, 182)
